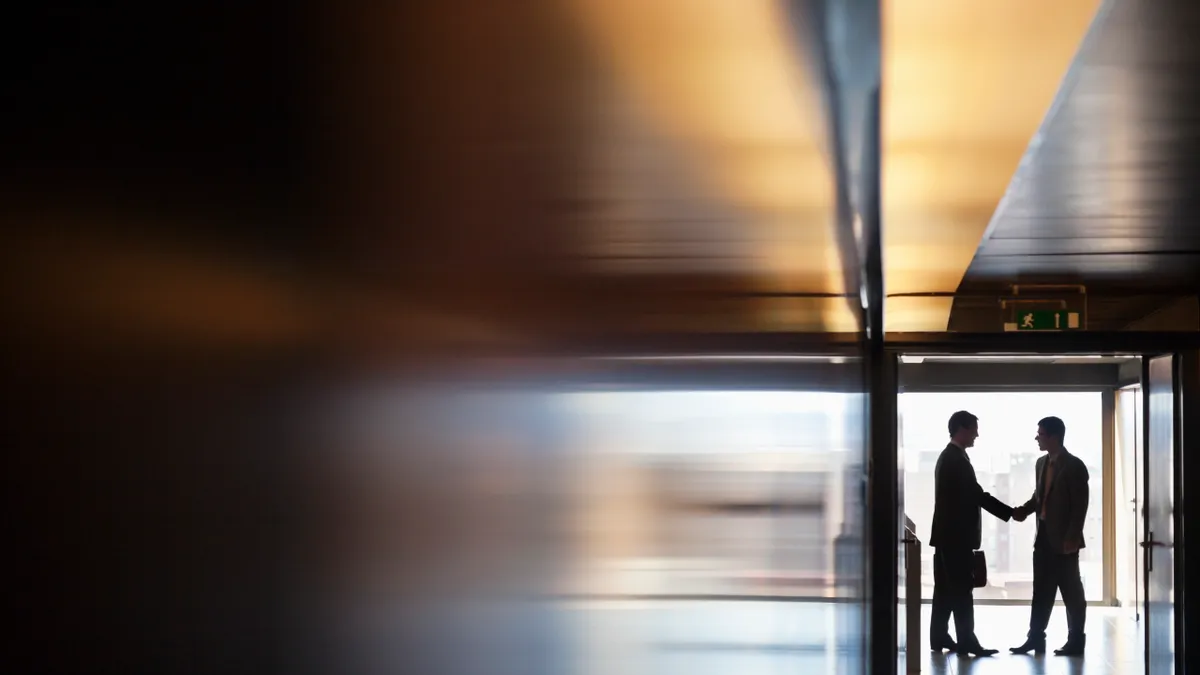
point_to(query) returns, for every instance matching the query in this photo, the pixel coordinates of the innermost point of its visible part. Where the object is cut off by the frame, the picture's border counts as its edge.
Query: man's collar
(957, 446)
(1053, 455)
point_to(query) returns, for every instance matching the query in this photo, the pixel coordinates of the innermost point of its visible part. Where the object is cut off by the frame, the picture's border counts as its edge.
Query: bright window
(1003, 458)
(740, 493)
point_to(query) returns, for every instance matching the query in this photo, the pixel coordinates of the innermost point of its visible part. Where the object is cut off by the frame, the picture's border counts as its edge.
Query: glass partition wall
(713, 493)
(715, 524)
(617, 519)
(1127, 477)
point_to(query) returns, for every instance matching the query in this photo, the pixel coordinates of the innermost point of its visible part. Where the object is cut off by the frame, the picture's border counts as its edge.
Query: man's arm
(995, 506)
(1079, 491)
(1021, 512)
(976, 495)
(1031, 506)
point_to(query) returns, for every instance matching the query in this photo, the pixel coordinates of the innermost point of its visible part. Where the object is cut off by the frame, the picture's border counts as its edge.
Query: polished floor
(1114, 644)
(748, 638)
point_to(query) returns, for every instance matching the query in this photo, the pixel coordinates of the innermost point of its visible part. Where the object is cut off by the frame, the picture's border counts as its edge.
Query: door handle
(908, 540)
(1150, 542)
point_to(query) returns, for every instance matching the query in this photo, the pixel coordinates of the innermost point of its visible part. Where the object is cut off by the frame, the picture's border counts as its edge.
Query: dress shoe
(1031, 645)
(943, 644)
(977, 650)
(1074, 647)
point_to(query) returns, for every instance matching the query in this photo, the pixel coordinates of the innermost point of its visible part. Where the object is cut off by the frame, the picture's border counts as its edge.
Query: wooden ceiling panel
(1106, 192)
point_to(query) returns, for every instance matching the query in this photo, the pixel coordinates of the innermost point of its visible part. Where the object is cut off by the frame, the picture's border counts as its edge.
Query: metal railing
(912, 597)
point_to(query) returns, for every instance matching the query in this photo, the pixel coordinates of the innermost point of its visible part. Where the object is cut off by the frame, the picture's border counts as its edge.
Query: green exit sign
(1044, 320)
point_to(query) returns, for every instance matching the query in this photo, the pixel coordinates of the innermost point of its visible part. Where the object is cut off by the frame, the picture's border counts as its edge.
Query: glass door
(1161, 400)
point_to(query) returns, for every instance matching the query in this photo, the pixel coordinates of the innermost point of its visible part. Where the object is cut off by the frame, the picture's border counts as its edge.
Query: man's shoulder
(1077, 464)
(950, 453)
(954, 460)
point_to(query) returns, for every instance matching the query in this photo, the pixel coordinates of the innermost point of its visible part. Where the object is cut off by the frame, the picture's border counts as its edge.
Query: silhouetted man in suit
(1060, 501)
(957, 530)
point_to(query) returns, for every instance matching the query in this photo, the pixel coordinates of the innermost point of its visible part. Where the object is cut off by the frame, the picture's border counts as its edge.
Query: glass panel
(1127, 492)
(1003, 458)
(708, 508)
(1160, 514)
(711, 493)
(598, 531)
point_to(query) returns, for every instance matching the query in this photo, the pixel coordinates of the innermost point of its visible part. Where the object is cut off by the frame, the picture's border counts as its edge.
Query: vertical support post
(1108, 523)
(1188, 376)
(883, 510)
(912, 603)
(849, 54)
(883, 499)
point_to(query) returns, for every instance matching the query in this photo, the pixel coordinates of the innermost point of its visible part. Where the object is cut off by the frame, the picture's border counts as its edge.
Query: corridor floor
(1114, 644)
(748, 638)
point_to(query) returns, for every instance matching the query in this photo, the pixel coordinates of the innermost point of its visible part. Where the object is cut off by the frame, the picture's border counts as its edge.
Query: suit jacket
(1066, 502)
(957, 500)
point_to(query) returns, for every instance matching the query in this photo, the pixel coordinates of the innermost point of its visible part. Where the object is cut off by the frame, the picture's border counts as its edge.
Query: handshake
(1020, 514)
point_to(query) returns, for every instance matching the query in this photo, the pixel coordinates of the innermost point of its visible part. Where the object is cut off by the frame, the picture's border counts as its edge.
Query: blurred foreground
(302, 306)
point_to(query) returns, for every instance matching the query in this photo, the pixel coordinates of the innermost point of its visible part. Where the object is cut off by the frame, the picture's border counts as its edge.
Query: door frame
(1187, 382)
(1186, 389)
(1174, 363)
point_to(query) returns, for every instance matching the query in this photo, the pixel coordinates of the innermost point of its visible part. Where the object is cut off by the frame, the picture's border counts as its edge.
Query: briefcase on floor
(979, 569)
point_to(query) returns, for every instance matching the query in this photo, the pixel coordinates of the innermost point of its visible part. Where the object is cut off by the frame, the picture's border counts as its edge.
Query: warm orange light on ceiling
(726, 82)
(966, 86)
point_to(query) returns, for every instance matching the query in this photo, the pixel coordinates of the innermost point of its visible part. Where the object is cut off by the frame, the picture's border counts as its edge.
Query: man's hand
(1020, 514)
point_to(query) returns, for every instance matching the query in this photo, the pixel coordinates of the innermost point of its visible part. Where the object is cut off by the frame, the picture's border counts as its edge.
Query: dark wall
(155, 181)
(242, 245)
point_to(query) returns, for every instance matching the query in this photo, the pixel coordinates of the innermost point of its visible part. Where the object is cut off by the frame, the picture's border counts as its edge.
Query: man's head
(1050, 434)
(964, 429)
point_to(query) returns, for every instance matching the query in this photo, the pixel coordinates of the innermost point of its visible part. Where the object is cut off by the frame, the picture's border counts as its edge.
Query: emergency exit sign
(1044, 320)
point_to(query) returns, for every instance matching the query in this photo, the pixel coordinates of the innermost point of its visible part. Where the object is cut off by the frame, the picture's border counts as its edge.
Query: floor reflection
(1114, 645)
(748, 638)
